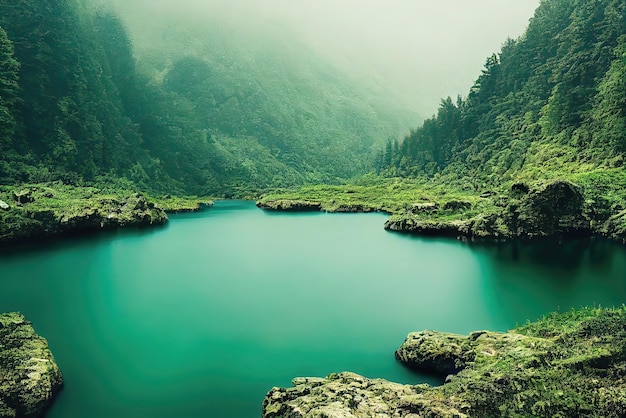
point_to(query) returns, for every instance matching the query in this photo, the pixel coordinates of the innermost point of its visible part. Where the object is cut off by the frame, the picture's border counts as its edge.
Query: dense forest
(549, 103)
(189, 110)
(78, 106)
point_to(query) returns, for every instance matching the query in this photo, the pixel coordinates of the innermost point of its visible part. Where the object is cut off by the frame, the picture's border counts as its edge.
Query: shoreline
(565, 364)
(521, 213)
(39, 213)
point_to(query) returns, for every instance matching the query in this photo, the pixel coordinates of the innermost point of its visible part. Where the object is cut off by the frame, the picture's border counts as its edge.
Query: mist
(414, 51)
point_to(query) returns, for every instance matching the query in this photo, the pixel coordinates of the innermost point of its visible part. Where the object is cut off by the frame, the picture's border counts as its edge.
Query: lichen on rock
(29, 376)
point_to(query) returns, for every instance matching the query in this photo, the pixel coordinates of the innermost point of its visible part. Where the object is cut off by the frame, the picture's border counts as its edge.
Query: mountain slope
(536, 149)
(76, 105)
(264, 88)
(551, 102)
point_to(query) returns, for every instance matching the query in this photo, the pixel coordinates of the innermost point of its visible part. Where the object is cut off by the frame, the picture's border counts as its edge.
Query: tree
(9, 91)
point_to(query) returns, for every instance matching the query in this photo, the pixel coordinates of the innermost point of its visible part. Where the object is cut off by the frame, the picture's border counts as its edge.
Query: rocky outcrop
(446, 354)
(113, 213)
(434, 227)
(555, 210)
(347, 395)
(29, 377)
(290, 205)
(568, 365)
(30, 220)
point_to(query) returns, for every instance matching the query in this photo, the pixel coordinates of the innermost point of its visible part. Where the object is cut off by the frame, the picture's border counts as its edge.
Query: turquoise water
(201, 318)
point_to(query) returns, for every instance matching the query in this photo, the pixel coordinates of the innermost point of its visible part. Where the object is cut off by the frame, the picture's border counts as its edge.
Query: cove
(201, 318)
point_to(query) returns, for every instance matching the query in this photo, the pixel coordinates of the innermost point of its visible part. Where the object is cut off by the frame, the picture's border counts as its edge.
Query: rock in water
(348, 395)
(29, 377)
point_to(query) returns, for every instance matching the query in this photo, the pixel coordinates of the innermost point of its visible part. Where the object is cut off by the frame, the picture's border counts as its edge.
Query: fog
(416, 51)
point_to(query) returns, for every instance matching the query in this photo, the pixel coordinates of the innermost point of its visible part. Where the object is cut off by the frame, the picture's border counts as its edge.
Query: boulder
(557, 209)
(4, 205)
(29, 376)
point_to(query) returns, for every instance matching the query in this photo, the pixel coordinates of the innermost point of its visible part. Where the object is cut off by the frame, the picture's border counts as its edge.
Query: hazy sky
(417, 50)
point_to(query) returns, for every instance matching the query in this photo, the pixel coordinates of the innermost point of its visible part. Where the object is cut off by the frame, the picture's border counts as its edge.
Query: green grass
(572, 365)
(52, 208)
(391, 195)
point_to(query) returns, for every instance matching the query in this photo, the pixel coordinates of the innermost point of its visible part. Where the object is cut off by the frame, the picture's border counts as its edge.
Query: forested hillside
(535, 149)
(76, 105)
(551, 103)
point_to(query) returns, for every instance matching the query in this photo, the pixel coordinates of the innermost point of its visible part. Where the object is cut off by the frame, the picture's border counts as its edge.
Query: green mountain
(535, 149)
(77, 105)
(551, 103)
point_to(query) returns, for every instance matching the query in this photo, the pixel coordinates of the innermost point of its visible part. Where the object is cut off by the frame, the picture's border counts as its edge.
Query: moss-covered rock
(57, 209)
(556, 209)
(565, 365)
(436, 227)
(290, 205)
(345, 395)
(552, 210)
(29, 376)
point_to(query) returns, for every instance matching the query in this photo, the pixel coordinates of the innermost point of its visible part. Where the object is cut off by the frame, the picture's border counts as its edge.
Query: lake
(202, 317)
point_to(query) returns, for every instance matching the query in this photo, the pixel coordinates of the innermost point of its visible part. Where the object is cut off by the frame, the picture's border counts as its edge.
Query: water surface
(203, 317)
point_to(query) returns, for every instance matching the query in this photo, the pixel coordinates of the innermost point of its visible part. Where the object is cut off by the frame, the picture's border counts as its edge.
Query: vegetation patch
(35, 211)
(564, 365)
